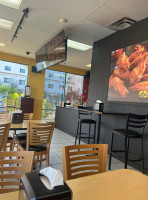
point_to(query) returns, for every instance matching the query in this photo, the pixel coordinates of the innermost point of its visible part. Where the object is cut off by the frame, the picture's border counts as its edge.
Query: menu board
(128, 81)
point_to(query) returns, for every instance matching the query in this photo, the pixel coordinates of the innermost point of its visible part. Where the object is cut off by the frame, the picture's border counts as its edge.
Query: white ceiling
(87, 22)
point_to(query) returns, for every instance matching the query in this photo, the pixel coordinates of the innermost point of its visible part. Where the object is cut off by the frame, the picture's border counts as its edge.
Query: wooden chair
(12, 166)
(21, 137)
(10, 105)
(6, 117)
(39, 137)
(4, 131)
(84, 160)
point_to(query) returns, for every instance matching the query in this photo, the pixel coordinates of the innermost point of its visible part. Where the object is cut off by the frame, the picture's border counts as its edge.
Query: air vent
(122, 23)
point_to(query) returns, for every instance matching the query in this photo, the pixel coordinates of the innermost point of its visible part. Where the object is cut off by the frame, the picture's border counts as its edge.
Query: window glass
(59, 87)
(7, 68)
(53, 92)
(21, 82)
(22, 71)
(74, 87)
(12, 81)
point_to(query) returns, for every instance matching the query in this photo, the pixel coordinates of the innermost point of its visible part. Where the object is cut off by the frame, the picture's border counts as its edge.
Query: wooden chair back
(84, 160)
(13, 164)
(4, 131)
(11, 102)
(27, 116)
(5, 117)
(39, 133)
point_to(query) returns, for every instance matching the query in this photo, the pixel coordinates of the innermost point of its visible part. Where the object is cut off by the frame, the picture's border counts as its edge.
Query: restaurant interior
(73, 99)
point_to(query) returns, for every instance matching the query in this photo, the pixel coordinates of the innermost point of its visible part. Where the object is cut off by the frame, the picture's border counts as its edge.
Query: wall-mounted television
(53, 53)
(128, 81)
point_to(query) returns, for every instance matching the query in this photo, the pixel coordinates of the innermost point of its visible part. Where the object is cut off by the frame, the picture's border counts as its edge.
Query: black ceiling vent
(122, 23)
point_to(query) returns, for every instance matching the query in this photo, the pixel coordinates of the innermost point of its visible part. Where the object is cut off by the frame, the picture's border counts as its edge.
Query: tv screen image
(53, 53)
(128, 81)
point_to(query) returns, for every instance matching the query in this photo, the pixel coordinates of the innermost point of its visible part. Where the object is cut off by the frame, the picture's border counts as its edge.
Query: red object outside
(85, 89)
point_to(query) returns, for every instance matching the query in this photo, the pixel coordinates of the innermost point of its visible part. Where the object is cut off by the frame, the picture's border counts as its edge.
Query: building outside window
(6, 80)
(8, 68)
(59, 87)
(22, 71)
(21, 82)
(12, 80)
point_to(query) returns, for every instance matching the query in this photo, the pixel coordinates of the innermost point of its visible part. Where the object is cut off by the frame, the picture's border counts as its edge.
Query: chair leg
(110, 156)
(47, 159)
(77, 133)
(126, 151)
(80, 132)
(89, 133)
(142, 156)
(94, 133)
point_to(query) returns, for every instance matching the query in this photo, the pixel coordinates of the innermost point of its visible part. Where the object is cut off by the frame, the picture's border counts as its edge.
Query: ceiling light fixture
(5, 24)
(11, 3)
(25, 11)
(62, 20)
(2, 44)
(78, 45)
(89, 65)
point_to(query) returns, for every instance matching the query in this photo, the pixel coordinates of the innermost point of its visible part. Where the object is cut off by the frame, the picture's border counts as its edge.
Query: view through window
(13, 78)
(59, 87)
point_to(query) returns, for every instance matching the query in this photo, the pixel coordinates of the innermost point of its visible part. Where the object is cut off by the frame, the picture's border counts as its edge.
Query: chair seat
(88, 121)
(130, 133)
(21, 136)
(32, 147)
(10, 138)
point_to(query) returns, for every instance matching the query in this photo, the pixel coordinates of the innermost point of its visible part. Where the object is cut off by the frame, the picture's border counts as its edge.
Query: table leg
(98, 130)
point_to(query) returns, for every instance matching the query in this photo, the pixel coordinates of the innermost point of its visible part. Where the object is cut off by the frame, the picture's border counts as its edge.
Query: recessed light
(11, 3)
(2, 44)
(78, 45)
(89, 65)
(62, 20)
(5, 24)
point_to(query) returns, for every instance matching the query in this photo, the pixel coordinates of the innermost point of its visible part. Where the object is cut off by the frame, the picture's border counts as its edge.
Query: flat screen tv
(53, 53)
(128, 80)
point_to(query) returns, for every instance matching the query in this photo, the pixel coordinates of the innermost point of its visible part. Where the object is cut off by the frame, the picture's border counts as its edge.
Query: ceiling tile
(136, 9)
(111, 15)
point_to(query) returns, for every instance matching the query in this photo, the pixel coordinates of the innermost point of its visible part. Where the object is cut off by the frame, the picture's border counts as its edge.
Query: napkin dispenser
(32, 188)
(17, 118)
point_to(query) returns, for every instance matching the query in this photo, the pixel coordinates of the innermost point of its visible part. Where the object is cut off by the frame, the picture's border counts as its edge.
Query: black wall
(99, 85)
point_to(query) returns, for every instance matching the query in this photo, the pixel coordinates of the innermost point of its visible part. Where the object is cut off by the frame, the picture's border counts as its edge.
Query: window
(6, 80)
(64, 87)
(7, 68)
(50, 86)
(10, 73)
(22, 71)
(21, 82)
(69, 78)
(61, 87)
(51, 75)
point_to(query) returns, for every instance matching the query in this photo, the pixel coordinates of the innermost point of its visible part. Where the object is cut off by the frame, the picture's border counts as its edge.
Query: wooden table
(9, 196)
(23, 126)
(120, 184)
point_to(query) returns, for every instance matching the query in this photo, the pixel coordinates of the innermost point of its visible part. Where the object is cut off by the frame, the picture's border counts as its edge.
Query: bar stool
(134, 129)
(90, 122)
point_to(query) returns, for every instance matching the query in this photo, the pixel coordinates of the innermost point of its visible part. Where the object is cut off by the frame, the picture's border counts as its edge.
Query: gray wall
(99, 85)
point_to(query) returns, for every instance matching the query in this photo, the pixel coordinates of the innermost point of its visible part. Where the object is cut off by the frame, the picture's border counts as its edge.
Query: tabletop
(23, 126)
(120, 184)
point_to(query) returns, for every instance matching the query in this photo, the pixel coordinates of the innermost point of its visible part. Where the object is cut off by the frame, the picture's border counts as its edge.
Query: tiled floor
(60, 139)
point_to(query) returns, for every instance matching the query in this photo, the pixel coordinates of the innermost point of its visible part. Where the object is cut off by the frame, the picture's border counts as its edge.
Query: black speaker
(17, 118)
(34, 69)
